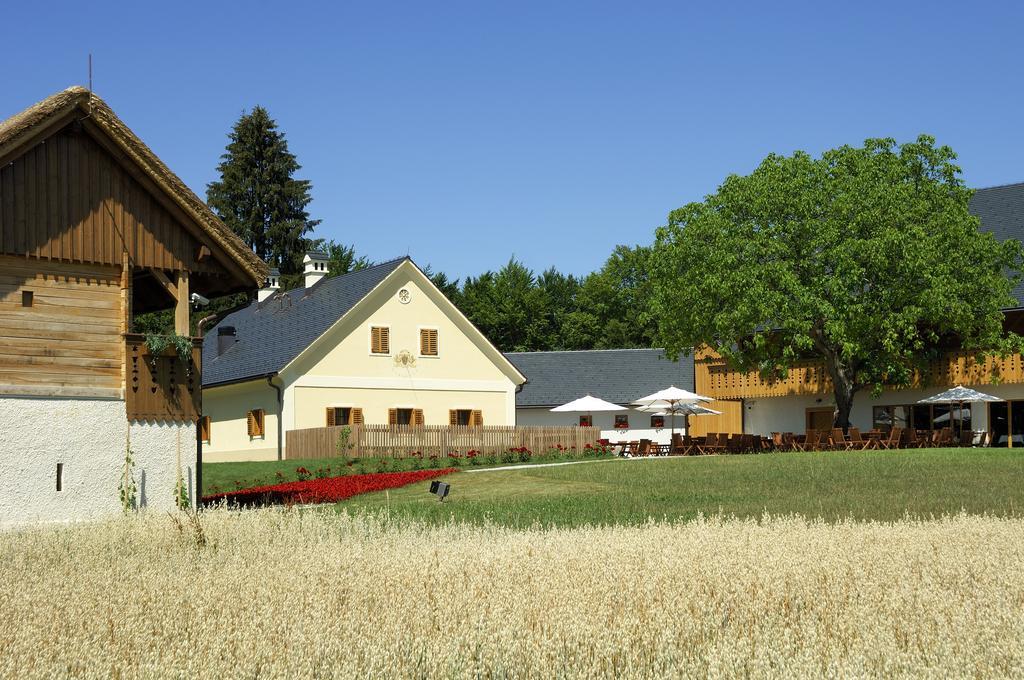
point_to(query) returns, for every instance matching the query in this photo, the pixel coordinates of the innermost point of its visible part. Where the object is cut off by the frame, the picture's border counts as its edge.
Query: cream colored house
(378, 346)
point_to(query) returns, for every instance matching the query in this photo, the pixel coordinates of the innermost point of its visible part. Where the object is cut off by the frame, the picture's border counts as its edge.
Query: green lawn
(883, 485)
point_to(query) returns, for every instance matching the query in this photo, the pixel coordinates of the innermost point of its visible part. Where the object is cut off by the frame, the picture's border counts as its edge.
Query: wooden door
(819, 419)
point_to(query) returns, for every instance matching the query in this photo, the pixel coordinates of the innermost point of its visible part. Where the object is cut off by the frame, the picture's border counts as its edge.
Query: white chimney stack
(270, 286)
(315, 268)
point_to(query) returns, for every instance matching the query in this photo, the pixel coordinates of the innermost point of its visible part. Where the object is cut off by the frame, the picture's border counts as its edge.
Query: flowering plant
(327, 490)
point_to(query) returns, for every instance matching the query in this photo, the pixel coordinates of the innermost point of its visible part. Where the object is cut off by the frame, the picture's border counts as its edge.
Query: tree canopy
(866, 258)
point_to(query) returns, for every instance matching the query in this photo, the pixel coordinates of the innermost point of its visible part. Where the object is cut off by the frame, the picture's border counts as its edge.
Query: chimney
(315, 268)
(270, 286)
(225, 338)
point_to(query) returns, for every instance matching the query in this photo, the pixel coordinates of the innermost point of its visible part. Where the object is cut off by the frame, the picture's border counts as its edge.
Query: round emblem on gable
(404, 296)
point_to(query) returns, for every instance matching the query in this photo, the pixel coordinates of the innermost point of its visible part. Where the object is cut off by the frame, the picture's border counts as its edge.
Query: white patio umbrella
(588, 405)
(958, 395)
(669, 398)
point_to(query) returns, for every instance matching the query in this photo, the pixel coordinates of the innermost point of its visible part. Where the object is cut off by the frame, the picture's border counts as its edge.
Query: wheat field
(282, 593)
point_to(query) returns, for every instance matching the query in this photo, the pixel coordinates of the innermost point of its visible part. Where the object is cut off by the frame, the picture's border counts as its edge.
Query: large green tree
(865, 258)
(258, 195)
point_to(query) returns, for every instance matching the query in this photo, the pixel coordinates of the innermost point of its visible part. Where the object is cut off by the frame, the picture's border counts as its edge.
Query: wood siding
(68, 199)
(729, 422)
(439, 440)
(164, 388)
(958, 367)
(69, 341)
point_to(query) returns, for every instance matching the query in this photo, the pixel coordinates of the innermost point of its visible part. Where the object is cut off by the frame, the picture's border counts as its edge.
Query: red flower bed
(326, 490)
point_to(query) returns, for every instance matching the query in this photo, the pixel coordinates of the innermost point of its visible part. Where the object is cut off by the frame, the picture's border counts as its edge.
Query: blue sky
(467, 132)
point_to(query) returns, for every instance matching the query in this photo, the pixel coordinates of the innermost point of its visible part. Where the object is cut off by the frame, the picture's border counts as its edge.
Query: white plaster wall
(787, 414)
(88, 437)
(639, 424)
(158, 448)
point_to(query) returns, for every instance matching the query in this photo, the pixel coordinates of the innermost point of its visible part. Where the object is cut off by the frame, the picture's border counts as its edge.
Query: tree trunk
(842, 380)
(844, 404)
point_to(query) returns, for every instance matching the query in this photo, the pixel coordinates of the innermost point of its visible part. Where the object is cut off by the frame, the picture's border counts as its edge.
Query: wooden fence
(369, 441)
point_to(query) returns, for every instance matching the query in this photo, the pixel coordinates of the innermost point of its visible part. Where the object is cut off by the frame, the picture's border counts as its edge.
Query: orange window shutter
(330, 417)
(259, 422)
(392, 416)
(417, 416)
(375, 340)
(424, 342)
(357, 416)
(453, 417)
(385, 340)
(250, 423)
(478, 418)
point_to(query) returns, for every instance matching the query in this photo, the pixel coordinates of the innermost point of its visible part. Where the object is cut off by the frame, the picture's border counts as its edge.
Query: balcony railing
(957, 367)
(162, 388)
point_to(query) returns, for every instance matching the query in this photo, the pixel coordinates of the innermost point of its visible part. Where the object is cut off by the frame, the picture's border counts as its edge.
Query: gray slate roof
(273, 332)
(616, 375)
(1001, 211)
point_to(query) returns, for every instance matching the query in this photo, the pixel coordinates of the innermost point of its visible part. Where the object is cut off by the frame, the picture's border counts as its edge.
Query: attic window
(26, 298)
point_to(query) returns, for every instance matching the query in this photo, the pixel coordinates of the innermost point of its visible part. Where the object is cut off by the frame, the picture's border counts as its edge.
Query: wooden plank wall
(69, 341)
(402, 440)
(730, 422)
(68, 199)
(164, 388)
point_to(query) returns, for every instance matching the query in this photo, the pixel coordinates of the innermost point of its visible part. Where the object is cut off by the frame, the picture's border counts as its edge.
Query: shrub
(302, 473)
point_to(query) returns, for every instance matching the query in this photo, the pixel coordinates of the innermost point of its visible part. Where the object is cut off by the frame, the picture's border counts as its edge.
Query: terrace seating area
(812, 440)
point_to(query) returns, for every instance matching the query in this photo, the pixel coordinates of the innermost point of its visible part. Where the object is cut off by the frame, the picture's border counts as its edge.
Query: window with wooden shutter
(428, 342)
(339, 415)
(204, 429)
(477, 419)
(417, 416)
(461, 417)
(380, 340)
(254, 421)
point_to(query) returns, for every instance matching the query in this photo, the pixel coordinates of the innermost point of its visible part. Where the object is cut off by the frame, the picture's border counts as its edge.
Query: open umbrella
(669, 398)
(958, 395)
(587, 405)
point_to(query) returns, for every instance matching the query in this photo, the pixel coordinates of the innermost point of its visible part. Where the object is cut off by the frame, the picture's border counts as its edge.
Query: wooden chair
(645, 448)
(814, 441)
(966, 438)
(790, 442)
(945, 437)
(910, 440)
(837, 440)
(715, 443)
(633, 447)
(859, 443)
(893, 440)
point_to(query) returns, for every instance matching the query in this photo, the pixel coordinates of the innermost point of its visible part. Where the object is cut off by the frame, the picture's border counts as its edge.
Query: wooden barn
(95, 229)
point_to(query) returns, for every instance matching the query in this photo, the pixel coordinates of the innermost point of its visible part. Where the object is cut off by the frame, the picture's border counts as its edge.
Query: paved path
(571, 462)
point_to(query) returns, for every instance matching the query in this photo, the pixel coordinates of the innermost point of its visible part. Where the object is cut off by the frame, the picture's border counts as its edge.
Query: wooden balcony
(162, 388)
(715, 379)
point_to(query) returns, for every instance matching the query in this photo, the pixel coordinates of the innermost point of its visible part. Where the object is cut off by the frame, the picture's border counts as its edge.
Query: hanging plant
(158, 343)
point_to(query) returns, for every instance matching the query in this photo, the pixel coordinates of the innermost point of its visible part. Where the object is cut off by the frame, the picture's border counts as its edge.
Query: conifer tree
(257, 194)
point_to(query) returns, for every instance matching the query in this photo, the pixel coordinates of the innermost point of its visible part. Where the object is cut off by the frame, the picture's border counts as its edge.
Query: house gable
(76, 185)
(463, 353)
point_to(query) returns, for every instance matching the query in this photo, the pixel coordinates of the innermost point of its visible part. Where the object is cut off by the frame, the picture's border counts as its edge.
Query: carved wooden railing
(162, 388)
(958, 367)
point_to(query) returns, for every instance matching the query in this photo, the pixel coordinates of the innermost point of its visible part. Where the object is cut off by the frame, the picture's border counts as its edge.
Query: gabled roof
(616, 375)
(273, 332)
(77, 103)
(1001, 211)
